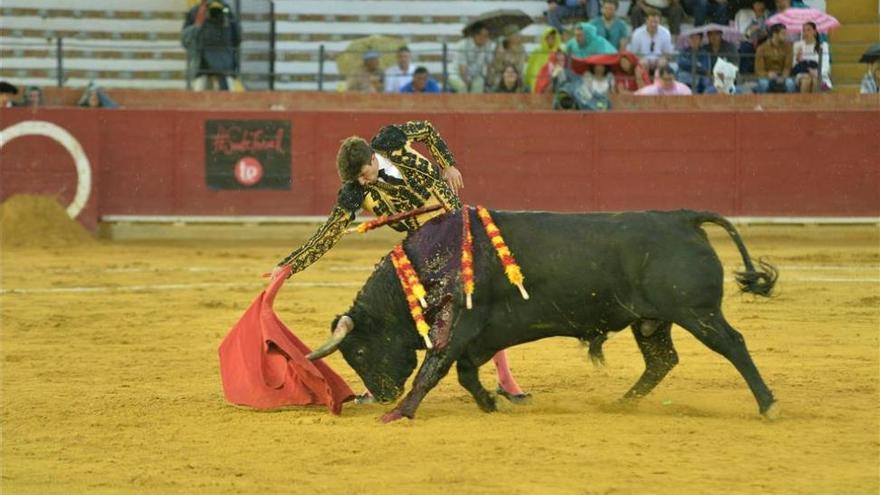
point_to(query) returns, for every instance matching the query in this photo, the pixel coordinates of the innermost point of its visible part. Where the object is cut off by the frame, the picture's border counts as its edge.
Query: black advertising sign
(247, 154)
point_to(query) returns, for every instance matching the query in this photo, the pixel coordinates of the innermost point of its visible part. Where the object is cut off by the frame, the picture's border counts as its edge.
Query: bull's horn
(343, 327)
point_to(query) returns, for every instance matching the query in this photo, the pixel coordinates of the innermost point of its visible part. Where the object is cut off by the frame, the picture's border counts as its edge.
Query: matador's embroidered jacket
(423, 185)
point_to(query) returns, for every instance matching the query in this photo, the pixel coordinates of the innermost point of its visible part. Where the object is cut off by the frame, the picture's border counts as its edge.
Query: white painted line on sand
(217, 285)
(163, 287)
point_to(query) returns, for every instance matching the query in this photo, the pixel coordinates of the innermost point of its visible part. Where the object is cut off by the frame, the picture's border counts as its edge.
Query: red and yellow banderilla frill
(413, 290)
(511, 269)
(467, 257)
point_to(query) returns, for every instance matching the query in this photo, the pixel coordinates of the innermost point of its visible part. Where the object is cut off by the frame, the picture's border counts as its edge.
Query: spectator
(559, 11)
(540, 56)
(665, 84)
(694, 64)
(7, 93)
(652, 42)
(718, 48)
(641, 10)
(369, 77)
(871, 81)
(609, 26)
(812, 69)
(510, 81)
(549, 73)
(629, 75)
(773, 63)
(33, 97)
(95, 97)
(472, 58)
(509, 52)
(586, 42)
(398, 75)
(421, 83)
(783, 5)
(752, 23)
(212, 36)
(597, 82)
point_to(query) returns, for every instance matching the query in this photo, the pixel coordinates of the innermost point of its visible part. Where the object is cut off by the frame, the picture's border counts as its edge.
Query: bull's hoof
(773, 412)
(391, 416)
(487, 403)
(518, 399)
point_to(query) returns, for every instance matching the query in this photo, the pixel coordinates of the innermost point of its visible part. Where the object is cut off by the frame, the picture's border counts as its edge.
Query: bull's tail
(758, 281)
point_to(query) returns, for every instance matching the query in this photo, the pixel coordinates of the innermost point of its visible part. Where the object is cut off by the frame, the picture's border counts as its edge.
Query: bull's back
(591, 271)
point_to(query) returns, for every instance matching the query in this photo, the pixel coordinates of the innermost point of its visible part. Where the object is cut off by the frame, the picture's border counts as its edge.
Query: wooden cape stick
(386, 219)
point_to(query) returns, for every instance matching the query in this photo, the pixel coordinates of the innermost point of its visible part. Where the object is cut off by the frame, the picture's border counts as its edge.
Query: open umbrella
(794, 20)
(871, 55)
(497, 20)
(349, 61)
(728, 33)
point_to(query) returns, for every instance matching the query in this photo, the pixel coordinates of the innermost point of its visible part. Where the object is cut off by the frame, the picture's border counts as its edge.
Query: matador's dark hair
(354, 153)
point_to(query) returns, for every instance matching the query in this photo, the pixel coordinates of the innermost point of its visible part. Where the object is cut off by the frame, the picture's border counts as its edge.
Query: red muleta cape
(263, 364)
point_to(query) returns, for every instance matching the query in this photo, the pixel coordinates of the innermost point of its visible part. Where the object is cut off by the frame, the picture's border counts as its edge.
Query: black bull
(587, 274)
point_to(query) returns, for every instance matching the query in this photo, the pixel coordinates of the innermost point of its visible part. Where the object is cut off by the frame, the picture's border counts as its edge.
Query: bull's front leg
(435, 366)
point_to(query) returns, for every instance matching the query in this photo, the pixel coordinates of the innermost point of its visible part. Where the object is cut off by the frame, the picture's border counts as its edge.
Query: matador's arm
(351, 196)
(394, 137)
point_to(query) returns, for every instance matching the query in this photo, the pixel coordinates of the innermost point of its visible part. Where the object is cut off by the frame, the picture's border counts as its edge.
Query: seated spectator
(32, 97)
(871, 81)
(630, 75)
(369, 77)
(641, 10)
(510, 81)
(718, 48)
(421, 83)
(652, 42)
(812, 65)
(586, 42)
(401, 73)
(611, 27)
(598, 81)
(550, 73)
(783, 5)
(211, 36)
(7, 93)
(473, 55)
(95, 97)
(560, 11)
(694, 64)
(773, 62)
(540, 56)
(665, 85)
(509, 51)
(752, 24)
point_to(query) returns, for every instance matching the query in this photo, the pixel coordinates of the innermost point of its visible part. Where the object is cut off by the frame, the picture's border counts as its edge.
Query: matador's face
(369, 172)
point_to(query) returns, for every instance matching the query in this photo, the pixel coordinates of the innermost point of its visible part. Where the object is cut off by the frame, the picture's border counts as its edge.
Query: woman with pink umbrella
(812, 69)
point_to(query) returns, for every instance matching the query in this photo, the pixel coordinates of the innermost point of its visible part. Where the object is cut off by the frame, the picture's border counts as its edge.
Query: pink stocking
(505, 378)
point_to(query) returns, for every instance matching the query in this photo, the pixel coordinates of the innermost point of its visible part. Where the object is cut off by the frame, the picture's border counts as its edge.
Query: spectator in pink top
(665, 84)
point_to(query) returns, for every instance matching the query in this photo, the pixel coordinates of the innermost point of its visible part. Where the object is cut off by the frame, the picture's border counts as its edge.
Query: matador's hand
(453, 177)
(276, 272)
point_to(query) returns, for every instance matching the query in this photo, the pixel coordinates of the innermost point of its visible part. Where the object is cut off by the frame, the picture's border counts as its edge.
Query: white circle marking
(65, 139)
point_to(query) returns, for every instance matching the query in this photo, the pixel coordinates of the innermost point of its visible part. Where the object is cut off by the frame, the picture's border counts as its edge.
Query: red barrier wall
(152, 162)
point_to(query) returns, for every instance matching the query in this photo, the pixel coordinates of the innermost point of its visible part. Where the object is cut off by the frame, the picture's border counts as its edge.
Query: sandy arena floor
(117, 389)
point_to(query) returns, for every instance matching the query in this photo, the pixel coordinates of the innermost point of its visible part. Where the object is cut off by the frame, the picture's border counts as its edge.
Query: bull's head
(377, 337)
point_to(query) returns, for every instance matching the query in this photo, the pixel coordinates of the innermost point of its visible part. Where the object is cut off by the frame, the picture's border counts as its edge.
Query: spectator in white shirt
(652, 42)
(398, 75)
